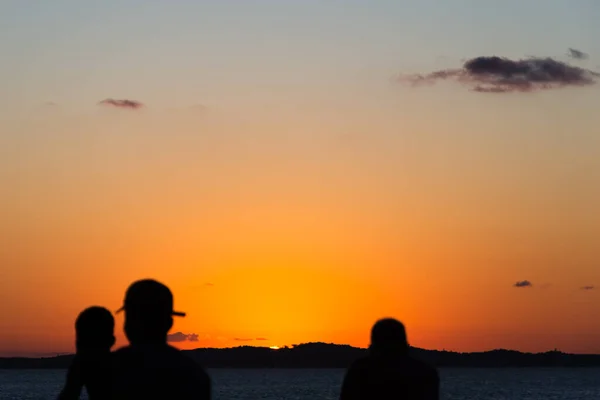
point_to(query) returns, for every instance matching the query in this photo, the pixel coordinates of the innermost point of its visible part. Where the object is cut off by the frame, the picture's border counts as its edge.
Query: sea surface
(312, 384)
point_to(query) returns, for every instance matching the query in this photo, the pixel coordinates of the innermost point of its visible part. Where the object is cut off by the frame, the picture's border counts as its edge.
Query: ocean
(312, 384)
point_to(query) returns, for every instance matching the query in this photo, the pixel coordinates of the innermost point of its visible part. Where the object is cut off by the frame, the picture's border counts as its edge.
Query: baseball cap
(148, 295)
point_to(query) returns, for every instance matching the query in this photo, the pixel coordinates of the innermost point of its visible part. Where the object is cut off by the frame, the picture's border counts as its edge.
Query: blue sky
(194, 51)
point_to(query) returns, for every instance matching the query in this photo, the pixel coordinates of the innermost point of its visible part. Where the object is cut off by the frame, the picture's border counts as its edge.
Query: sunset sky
(287, 183)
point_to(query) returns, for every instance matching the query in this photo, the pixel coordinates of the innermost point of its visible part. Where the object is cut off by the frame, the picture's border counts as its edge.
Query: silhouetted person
(389, 372)
(91, 367)
(149, 368)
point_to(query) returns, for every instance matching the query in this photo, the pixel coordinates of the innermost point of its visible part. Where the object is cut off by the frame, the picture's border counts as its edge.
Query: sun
(274, 347)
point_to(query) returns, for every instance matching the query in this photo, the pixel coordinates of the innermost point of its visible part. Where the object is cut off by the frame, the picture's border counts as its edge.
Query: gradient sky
(284, 185)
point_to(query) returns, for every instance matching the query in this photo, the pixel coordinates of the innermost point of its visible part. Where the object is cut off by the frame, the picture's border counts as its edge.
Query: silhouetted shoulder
(158, 370)
(424, 368)
(405, 363)
(377, 378)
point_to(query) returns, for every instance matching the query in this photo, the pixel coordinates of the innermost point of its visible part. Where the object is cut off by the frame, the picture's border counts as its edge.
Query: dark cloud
(130, 104)
(182, 337)
(209, 284)
(261, 338)
(502, 75)
(589, 287)
(522, 284)
(578, 54)
(237, 339)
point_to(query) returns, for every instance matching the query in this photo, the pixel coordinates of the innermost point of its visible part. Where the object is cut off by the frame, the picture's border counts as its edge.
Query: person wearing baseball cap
(149, 368)
(151, 296)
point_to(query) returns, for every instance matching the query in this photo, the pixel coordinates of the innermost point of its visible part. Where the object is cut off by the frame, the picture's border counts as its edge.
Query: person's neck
(391, 351)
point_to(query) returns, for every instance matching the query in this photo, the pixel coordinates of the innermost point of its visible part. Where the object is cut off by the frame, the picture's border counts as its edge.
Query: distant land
(324, 355)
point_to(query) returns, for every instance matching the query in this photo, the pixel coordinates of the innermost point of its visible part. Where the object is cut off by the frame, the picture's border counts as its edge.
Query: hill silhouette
(324, 355)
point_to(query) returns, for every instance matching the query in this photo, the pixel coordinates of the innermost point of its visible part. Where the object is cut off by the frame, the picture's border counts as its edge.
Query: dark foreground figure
(389, 372)
(146, 369)
(91, 367)
(149, 368)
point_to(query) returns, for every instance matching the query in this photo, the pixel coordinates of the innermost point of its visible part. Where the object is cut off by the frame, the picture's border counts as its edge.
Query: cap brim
(174, 313)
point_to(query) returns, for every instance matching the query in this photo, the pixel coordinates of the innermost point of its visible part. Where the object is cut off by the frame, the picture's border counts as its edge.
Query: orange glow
(281, 237)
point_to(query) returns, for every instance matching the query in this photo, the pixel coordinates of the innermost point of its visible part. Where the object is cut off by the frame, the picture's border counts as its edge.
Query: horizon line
(292, 346)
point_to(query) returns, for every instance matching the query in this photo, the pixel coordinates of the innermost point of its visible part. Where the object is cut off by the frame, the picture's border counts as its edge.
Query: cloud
(502, 75)
(130, 104)
(522, 284)
(182, 337)
(578, 54)
(261, 338)
(589, 287)
(209, 284)
(243, 339)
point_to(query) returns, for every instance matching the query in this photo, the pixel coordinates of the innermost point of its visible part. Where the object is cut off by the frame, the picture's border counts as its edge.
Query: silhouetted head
(94, 330)
(149, 312)
(388, 336)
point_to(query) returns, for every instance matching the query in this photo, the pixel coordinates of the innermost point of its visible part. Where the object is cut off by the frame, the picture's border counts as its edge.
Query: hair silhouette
(388, 335)
(94, 330)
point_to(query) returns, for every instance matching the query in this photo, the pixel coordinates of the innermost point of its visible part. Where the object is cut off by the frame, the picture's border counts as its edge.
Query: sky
(294, 171)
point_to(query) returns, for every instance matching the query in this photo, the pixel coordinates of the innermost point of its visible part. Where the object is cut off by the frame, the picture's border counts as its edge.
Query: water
(307, 384)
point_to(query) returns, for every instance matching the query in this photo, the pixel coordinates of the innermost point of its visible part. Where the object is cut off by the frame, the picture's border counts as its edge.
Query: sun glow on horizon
(274, 347)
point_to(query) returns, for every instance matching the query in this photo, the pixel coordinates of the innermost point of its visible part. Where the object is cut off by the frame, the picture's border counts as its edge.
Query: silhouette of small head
(389, 334)
(94, 330)
(148, 310)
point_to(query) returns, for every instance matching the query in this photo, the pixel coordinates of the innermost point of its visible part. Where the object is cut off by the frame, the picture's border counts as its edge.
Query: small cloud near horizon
(243, 339)
(578, 54)
(123, 103)
(589, 287)
(261, 339)
(182, 337)
(523, 284)
(493, 74)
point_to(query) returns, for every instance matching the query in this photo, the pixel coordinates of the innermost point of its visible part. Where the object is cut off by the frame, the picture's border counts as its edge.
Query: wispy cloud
(501, 75)
(589, 287)
(241, 339)
(578, 54)
(182, 337)
(123, 103)
(523, 284)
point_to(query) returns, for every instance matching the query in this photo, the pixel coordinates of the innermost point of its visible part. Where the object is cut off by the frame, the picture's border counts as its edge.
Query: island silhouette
(327, 355)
